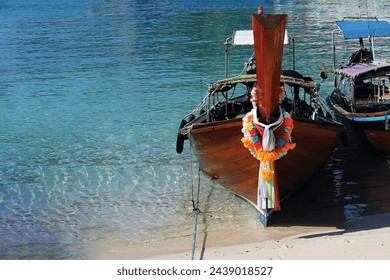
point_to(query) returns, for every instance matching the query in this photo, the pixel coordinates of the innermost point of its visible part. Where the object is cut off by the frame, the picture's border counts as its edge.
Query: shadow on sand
(360, 224)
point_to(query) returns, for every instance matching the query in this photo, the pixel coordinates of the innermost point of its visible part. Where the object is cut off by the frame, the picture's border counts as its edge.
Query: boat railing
(223, 98)
(201, 113)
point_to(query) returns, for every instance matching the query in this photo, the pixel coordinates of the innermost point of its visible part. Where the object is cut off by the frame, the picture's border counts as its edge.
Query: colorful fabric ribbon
(267, 147)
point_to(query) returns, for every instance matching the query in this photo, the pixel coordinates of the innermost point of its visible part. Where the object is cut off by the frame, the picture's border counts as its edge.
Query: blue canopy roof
(364, 28)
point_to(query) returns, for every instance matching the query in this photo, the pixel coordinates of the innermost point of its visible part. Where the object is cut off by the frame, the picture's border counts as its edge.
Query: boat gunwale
(219, 125)
(353, 116)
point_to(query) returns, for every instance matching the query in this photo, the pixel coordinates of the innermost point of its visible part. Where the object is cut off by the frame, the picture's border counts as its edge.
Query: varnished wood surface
(223, 157)
(379, 139)
(268, 34)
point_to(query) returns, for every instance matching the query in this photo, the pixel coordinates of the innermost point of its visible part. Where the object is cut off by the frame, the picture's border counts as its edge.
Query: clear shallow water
(91, 96)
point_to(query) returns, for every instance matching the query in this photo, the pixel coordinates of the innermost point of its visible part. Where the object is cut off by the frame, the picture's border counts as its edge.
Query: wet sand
(181, 247)
(363, 238)
(343, 213)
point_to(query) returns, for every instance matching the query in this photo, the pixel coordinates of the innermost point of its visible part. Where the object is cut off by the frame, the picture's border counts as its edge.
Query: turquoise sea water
(91, 96)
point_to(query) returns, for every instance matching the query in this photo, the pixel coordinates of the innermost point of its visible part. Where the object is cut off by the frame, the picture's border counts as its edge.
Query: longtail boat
(361, 98)
(282, 108)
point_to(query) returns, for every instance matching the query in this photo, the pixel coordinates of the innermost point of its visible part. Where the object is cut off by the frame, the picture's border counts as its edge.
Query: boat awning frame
(231, 82)
(354, 29)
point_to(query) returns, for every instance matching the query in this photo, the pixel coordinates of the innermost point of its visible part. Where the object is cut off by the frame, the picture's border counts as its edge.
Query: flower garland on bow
(267, 146)
(252, 141)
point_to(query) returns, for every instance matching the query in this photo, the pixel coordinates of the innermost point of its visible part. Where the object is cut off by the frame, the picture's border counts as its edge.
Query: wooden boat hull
(374, 131)
(370, 129)
(223, 157)
(379, 139)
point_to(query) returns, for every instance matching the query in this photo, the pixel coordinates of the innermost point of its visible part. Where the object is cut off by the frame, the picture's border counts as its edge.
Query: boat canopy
(360, 69)
(364, 28)
(245, 37)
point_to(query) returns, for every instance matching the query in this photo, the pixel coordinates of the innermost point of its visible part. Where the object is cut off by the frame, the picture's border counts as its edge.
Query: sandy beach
(366, 238)
(364, 244)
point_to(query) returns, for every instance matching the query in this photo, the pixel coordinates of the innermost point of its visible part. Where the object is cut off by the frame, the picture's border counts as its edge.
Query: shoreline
(363, 238)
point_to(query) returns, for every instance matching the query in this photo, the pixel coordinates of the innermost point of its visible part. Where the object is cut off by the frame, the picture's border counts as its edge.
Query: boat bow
(268, 34)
